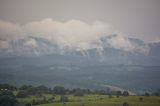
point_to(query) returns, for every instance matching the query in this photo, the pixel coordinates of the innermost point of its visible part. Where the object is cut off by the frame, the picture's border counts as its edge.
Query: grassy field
(98, 100)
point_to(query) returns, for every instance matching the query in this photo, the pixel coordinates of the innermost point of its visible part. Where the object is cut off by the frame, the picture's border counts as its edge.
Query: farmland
(99, 100)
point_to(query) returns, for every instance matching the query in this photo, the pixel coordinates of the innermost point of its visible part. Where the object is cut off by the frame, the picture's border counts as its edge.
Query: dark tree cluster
(28, 90)
(7, 98)
(156, 93)
(32, 90)
(7, 87)
(64, 98)
(22, 94)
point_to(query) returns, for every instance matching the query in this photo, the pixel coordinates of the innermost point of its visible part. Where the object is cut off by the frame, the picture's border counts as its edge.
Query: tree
(118, 93)
(22, 94)
(35, 90)
(59, 90)
(6, 100)
(6, 92)
(78, 92)
(28, 104)
(44, 100)
(51, 99)
(63, 98)
(29, 88)
(125, 93)
(157, 93)
(141, 99)
(125, 104)
(146, 94)
(7, 87)
(101, 92)
(26, 87)
(42, 89)
(110, 96)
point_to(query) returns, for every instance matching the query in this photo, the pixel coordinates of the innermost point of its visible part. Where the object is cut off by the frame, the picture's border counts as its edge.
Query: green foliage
(22, 94)
(38, 90)
(141, 99)
(146, 94)
(28, 104)
(59, 90)
(125, 104)
(118, 93)
(6, 100)
(156, 93)
(37, 102)
(79, 92)
(89, 98)
(51, 99)
(6, 92)
(63, 98)
(125, 93)
(110, 96)
(7, 87)
(101, 92)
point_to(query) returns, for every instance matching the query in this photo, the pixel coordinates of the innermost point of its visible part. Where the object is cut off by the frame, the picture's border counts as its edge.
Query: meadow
(98, 100)
(28, 95)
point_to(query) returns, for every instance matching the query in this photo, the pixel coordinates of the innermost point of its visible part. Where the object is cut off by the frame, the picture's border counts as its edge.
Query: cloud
(31, 43)
(4, 44)
(121, 42)
(75, 35)
(10, 31)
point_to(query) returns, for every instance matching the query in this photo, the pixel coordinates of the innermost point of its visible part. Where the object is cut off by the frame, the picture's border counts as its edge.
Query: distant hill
(138, 53)
(134, 66)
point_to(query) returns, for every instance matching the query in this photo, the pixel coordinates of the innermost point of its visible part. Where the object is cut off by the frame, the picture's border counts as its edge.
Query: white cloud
(9, 30)
(121, 42)
(4, 44)
(31, 43)
(72, 34)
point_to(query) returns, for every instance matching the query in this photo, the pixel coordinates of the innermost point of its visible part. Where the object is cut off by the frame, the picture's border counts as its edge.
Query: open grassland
(98, 100)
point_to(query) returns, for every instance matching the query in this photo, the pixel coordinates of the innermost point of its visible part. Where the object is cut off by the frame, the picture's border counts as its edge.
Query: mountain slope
(39, 61)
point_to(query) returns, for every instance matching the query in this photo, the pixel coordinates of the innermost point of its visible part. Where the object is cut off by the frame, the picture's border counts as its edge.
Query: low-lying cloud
(73, 34)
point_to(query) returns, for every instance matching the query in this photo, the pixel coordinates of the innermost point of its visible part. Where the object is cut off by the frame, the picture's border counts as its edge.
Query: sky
(134, 18)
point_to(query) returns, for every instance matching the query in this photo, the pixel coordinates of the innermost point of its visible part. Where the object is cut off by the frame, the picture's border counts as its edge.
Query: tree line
(8, 98)
(27, 90)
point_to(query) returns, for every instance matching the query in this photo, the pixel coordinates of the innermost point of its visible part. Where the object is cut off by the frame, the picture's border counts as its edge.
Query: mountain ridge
(141, 54)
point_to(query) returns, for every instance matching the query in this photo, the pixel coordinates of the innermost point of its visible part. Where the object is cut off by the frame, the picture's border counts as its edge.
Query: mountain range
(137, 52)
(128, 63)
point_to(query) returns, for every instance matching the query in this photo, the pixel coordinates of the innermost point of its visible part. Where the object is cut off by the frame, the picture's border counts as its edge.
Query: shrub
(7, 100)
(51, 99)
(22, 94)
(59, 90)
(125, 104)
(146, 94)
(6, 92)
(63, 98)
(79, 93)
(110, 96)
(125, 93)
(140, 99)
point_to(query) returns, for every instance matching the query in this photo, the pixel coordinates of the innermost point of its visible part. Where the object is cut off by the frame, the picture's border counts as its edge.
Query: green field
(98, 100)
